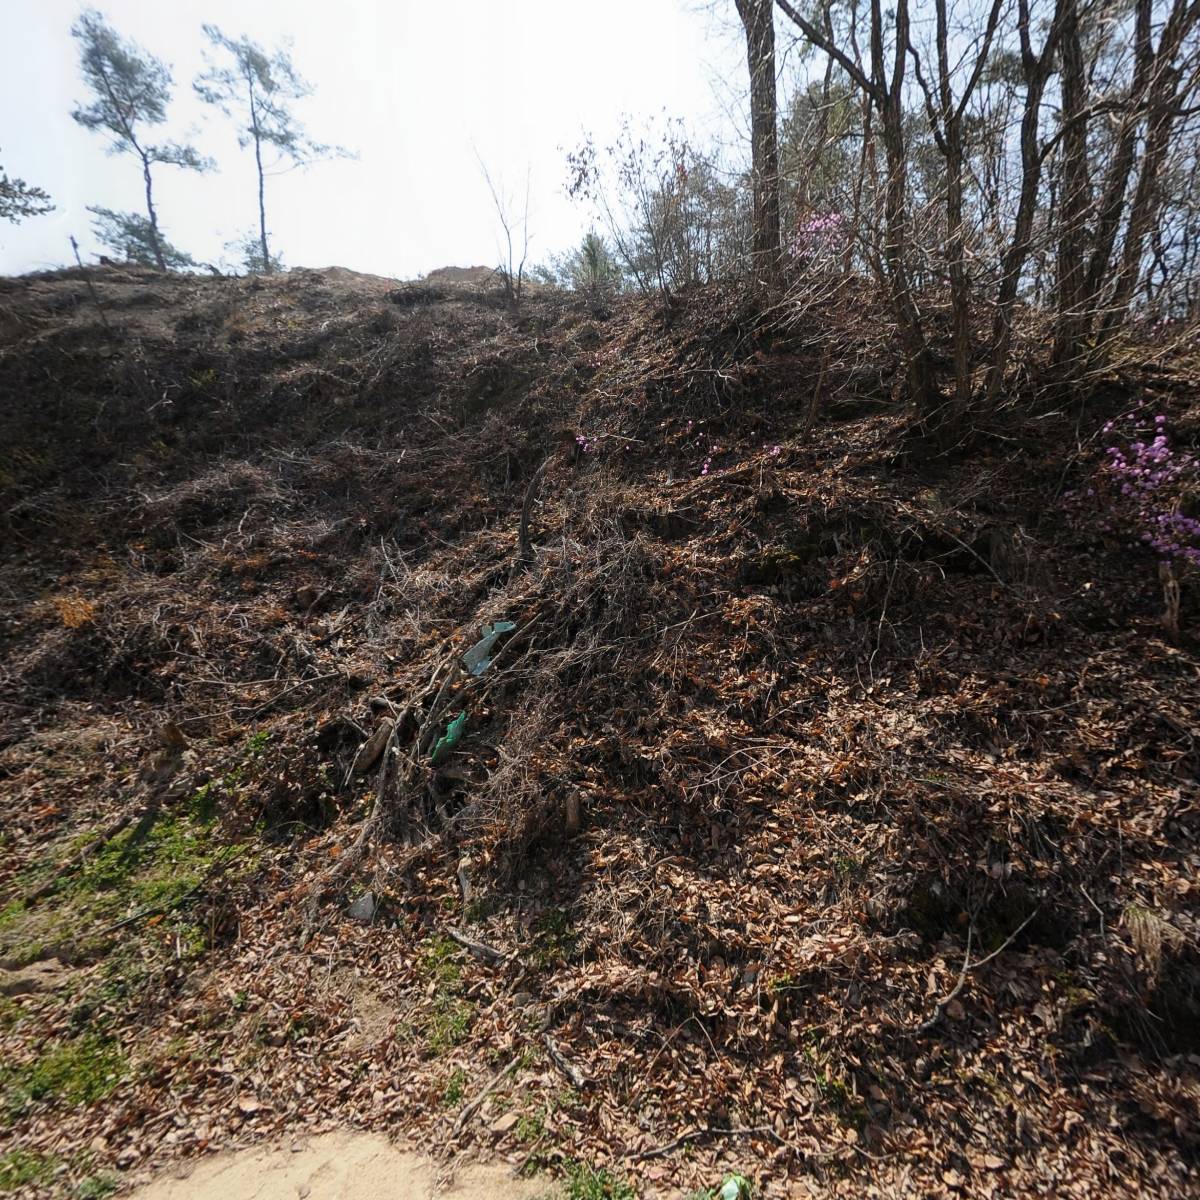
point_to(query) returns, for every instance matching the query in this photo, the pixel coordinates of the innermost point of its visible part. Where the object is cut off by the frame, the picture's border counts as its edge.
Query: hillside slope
(828, 813)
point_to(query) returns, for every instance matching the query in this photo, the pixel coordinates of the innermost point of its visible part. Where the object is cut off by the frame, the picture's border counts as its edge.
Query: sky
(419, 90)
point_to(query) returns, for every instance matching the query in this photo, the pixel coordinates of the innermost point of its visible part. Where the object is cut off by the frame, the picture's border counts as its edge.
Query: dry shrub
(74, 611)
(215, 495)
(1151, 935)
(515, 807)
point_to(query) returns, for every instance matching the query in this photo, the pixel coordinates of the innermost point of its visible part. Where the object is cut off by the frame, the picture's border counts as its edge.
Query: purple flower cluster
(586, 444)
(1145, 483)
(817, 233)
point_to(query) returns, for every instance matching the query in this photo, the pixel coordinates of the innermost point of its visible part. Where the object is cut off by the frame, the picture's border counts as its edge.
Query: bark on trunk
(1076, 193)
(262, 205)
(152, 215)
(758, 19)
(1037, 72)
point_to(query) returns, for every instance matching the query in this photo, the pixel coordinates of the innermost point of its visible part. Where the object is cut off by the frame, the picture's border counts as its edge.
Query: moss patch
(70, 1073)
(20, 1168)
(154, 865)
(585, 1182)
(445, 1019)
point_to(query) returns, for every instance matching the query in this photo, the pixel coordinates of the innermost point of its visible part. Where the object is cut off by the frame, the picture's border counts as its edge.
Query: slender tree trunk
(1142, 214)
(1076, 192)
(1037, 73)
(918, 364)
(952, 148)
(1162, 100)
(758, 19)
(1111, 206)
(152, 215)
(262, 204)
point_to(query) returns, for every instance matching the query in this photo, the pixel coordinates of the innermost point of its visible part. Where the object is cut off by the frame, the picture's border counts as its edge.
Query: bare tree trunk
(1162, 101)
(887, 96)
(152, 215)
(758, 19)
(1142, 215)
(918, 364)
(1111, 206)
(1037, 73)
(1076, 192)
(258, 162)
(948, 132)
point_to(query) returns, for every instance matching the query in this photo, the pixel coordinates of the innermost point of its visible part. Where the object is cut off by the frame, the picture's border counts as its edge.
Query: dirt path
(336, 1166)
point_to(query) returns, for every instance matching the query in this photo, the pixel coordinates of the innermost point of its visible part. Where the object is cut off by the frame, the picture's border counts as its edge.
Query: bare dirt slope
(338, 1166)
(828, 814)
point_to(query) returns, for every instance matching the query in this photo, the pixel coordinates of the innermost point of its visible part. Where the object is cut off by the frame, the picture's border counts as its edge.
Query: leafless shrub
(215, 495)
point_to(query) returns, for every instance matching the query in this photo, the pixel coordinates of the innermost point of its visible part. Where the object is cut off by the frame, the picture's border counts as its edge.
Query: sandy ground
(336, 1166)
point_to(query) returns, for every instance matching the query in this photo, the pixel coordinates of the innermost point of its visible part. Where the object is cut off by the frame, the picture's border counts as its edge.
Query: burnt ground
(829, 816)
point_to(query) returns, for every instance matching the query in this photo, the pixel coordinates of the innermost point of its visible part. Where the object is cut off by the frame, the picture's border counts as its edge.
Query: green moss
(531, 1127)
(96, 1187)
(20, 1168)
(11, 914)
(446, 1018)
(448, 1023)
(70, 1073)
(257, 742)
(438, 962)
(455, 1088)
(585, 1182)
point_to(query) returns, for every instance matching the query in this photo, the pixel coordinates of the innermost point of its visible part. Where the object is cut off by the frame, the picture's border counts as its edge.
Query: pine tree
(132, 89)
(256, 89)
(130, 235)
(593, 268)
(19, 199)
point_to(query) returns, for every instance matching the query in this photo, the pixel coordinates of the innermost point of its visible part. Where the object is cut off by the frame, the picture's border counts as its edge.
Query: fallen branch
(479, 949)
(572, 1072)
(79, 860)
(154, 910)
(968, 966)
(708, 1131)
(472, 1105)
(524, 550)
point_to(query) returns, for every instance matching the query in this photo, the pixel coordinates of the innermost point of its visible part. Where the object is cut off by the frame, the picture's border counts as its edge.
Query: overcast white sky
(412, 86)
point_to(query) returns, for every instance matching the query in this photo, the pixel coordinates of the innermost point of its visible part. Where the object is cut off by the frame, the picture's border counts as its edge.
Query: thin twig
(969, 966)
(469, 1111)
(708, 1131)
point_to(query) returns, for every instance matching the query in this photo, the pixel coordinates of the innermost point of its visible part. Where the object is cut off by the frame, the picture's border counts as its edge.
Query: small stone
(363, 909)
(504, 1123)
